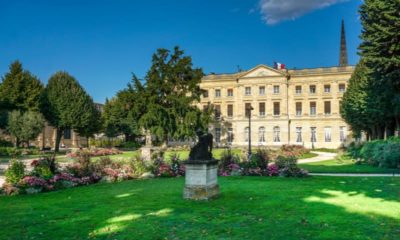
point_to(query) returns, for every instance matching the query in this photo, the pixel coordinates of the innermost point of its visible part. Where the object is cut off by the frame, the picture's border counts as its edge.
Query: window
(217, 93)
(327, 88)
(262, 90)
(230, 93)
(313, 108)
(342, 88)
(277, 134)
(328, 134)
(277, 109)
(246, 134)
(313, 89)
(261, 134)
(230, 110)
(217, 135)
(247, 109)
(299, 138)
(343, 133)
(298, 89)
(230, 135)
(247, 91)
(67, 134)
(217, 112)
(205, 108)
(340, 106)
(327, 107)
(313, 134)
(261, 108)
(299, 109)
(205, 93)
(276, 89)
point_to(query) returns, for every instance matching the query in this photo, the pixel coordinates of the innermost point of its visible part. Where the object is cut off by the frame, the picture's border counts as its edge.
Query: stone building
(298, 106)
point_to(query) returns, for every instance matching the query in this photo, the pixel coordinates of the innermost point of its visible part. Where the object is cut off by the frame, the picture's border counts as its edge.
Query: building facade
(289, 107)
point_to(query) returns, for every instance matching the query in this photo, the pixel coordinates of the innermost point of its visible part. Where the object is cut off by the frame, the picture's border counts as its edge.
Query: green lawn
(343, 164)
(308, 155)
(4, 159)
(249, 208)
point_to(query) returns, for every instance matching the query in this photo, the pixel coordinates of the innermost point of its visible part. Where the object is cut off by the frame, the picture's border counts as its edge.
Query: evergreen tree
(68, 106)
(172, 90)
(25, 126)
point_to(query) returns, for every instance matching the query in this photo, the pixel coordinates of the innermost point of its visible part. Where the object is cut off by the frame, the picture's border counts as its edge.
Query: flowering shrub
(95, 152)
(288, 167)
(273, 170)
(33, 184)
(15, 172)
(293, 151)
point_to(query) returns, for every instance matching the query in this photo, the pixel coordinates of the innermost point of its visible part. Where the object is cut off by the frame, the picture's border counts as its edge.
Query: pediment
(262, 71)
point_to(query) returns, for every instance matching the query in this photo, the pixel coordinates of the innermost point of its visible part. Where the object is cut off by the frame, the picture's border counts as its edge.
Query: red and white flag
(279, 66)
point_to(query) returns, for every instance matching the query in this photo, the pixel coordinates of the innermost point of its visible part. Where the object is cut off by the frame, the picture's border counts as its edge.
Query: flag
(279, 66)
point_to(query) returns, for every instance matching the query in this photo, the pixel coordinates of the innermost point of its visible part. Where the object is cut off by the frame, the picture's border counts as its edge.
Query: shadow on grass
(249, 207)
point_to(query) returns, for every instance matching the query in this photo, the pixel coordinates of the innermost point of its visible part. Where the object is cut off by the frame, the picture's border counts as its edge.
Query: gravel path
(322, 156)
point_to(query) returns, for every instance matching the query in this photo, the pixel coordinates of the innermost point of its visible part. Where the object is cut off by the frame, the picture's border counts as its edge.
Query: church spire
(343, 61)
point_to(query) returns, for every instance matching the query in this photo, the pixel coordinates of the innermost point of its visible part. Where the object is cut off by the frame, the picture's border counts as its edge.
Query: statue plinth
(201, 181)
(146, 152)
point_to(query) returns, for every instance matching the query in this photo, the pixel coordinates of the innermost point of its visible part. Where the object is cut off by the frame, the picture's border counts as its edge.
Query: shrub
(44, 167)
(177, 167)
(288, 167)
(273, 170)
(138, 166)
(129, 145)
(293, 150)
(15, 172)
(106, 143)
(10, 151)
(5, 143)
(389, 156)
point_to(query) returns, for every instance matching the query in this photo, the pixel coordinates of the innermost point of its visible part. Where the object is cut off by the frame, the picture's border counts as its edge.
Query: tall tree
(25, 126)
(380, 49)
(172, 88)
(67, 106)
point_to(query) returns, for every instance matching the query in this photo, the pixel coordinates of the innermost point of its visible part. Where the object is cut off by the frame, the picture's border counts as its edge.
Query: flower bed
(96, 152)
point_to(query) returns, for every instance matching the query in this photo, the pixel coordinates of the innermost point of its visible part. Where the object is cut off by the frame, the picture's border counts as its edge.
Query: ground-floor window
(277, 134)
(313, 134)
(246, 134)
(67, 134)
(299, 138)
(328, 134)
(230, 135)
(217, 135)
(343, 134)
(261, 134)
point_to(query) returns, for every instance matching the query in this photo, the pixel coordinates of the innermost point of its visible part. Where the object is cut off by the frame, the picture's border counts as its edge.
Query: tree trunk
(58, 139)
(397, 128)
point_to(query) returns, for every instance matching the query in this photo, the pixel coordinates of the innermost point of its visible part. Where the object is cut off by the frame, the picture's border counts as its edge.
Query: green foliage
(5, 143)
(15, 172)
(138, 165)
(382, 153)
(106, 142)
(25, 126)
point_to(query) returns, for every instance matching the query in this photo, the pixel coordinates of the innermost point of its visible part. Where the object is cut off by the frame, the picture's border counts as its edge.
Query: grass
(249, 208)
(308, 155)
(343, 164)
(328, 150)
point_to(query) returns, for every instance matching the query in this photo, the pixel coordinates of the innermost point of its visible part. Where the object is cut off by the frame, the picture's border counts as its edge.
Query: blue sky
(102, 42)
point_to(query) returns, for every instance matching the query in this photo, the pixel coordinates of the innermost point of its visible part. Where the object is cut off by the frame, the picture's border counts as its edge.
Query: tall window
(262, 90)
(342, 88)
(328, 134)
(313, 89)
(313, 134)
(276, 89)
(261, 108)
(230, 135)
(299, 109)
(327, 88)
(277, 109)
(230, 110)
(343, 133)
(230, 92)
(67, 134)
(327, 107)
(217, 135)
(246, 134)
(299, 138)
(247, 91)
(261, 134)
(205, 93)
(217, 93)
(298, 89)
(217, 111)
(247, 107)
(277, 134)
(313, 108)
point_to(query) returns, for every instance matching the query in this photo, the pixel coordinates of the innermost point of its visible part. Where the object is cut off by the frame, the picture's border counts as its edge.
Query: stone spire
(343, 61)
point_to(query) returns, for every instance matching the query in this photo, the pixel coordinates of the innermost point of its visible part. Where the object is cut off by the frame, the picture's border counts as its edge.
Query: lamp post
(249, 109)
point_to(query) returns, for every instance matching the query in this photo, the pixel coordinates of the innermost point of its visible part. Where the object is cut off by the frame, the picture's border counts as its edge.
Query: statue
(148, 138)
(203, 149)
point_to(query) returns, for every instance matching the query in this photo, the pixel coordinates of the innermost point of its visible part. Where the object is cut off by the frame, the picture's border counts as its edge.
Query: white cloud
(275, 11)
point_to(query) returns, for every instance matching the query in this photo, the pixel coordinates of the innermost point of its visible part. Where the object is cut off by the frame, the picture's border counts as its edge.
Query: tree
(20, 89)
(66, 105)
(380, 50)
(172, 90)
(25, 126)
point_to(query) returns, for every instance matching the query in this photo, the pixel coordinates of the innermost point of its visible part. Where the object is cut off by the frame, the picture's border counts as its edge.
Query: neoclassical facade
(289, 106)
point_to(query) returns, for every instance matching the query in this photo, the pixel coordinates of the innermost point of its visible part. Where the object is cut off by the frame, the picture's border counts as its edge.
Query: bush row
(12, 151)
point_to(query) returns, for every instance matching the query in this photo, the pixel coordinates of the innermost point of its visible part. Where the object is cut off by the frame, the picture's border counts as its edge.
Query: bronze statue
(203, 149)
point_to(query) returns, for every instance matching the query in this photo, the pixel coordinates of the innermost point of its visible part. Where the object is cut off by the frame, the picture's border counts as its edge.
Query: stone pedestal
(146, 152)
(201, 181)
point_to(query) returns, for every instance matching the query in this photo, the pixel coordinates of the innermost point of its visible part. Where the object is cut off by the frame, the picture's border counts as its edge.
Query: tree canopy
(25, 126)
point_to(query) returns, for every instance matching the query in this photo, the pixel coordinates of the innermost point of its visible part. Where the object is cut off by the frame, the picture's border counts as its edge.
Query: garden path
(322, 156)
